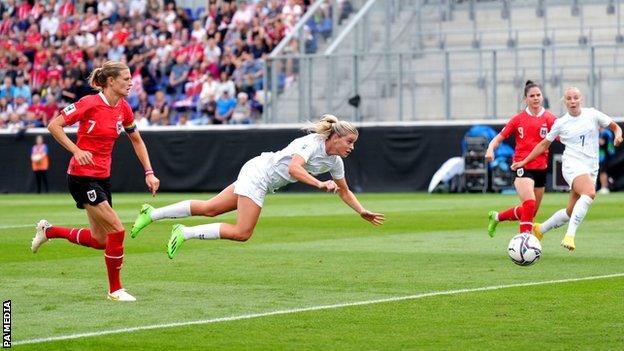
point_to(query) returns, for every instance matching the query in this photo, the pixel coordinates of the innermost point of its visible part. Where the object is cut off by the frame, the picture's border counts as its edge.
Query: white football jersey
(580, 134)
(312, 148)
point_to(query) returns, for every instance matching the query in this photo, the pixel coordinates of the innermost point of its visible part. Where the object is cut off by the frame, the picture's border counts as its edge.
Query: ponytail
(329, 124)
(99, 76)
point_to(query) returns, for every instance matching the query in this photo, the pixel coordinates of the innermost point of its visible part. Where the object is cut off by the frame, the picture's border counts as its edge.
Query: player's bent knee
(244, 235)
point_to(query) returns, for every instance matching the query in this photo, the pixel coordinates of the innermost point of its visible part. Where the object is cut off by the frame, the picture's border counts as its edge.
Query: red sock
(113, 256)
(510, 214)
(80, 236)
(526, 219)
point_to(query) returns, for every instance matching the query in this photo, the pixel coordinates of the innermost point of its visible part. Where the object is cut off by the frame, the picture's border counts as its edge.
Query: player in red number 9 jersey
(102, 118)
(529, 128)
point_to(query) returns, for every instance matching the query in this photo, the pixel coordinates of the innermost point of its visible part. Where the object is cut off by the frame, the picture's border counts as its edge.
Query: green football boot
(143, 220)
(492, 223)
(175, 241)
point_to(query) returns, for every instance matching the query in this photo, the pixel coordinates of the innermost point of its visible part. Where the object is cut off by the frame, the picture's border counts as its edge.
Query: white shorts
(252, 182)
(572, 168)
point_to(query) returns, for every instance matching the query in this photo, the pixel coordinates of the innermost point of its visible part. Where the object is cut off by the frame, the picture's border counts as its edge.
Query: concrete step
(422, 85)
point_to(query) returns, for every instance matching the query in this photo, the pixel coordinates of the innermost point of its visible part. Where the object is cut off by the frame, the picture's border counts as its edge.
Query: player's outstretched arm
(537, 150)
(349, 198)
(140, 150)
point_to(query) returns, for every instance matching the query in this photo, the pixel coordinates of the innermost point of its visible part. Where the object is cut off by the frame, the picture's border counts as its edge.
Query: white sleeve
(554, 131)
(601, 119)
(304, 147)
(337, 170)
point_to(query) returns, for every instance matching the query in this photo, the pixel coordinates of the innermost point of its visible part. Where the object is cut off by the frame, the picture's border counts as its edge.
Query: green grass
(311, 250)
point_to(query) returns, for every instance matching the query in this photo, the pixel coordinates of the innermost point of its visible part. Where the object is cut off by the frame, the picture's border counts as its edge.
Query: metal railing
(403, 60)
(287, 79)
(445, 84)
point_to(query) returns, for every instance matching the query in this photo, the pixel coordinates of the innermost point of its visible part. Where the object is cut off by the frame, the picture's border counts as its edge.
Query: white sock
(578, 213)
(202, 232)
(558, 219)
(177, 210)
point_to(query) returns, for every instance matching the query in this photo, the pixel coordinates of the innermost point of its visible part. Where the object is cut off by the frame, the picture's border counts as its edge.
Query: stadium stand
(185, 61)
(456, 60)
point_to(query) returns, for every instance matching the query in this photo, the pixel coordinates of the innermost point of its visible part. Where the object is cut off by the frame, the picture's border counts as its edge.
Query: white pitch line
(307, 309)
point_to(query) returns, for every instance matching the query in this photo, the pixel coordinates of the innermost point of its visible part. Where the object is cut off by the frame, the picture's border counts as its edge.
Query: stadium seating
(435, 60)
(150, 37)
(461, 59)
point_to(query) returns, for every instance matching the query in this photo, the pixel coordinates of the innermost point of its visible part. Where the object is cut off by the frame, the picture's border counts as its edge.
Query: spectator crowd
(189, 66)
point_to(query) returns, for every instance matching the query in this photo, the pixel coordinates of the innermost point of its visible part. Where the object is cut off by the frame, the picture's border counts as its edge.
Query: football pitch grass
(314, 276)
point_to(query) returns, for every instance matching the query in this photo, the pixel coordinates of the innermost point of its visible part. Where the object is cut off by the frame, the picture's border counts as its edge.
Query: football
(524, 249)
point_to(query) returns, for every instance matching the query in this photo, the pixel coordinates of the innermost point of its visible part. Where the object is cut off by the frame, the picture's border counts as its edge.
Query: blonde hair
(570, 88)
(99, 76)
(329, 124)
